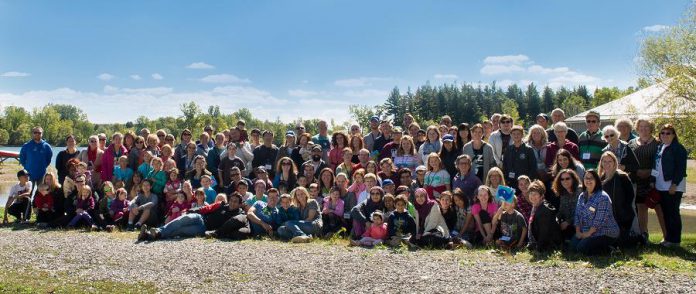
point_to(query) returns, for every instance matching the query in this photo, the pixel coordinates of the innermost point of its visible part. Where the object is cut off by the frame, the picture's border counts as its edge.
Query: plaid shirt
(596, 212)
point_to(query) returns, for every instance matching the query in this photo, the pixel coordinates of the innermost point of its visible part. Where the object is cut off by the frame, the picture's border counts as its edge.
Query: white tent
(652, 102)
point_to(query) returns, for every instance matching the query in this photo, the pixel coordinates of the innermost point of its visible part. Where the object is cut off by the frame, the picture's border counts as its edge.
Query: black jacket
(544, 231)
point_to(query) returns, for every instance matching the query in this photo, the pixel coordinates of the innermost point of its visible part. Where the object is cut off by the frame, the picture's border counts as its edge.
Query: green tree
(670, 56)
(548, 100)
(573, 105)
(394, 106)
(4, 137)
(509, 107)
(605, 94)
(534, 106)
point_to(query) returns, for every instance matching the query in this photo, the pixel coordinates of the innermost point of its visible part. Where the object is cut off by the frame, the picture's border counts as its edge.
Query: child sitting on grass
(375, 234)
(119, 209)
(483, 211)
(85, 204)
(513, 227)
(18, 200)
(43, 206)
(199, 200)
(401, 225)
(103, 218)
(177, 208)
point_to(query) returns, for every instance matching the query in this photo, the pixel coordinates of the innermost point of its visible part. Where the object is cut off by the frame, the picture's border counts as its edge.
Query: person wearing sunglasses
(670, 182)
(136, 154)
(501, 139)
(92, 156)
(591, 142)
(35, 156)
(566, 187)
(627, 159)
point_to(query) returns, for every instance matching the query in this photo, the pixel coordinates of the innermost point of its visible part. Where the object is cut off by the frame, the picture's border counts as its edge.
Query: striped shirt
(590, 146)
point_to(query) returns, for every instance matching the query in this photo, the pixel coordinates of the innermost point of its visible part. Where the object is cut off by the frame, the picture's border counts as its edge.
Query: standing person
(374, 133)
(70, 152)
(518, 159)
(625, 127)
(386, 128)
(501, 139)
(287, 148)
(406, 156)
(670, 182)
(437, 179)
(627, 159)
(35, 156)
(339, 140)
(645, 149)
(463, 136)
(322, 139)
(215, 154)
(180, 149)
(560, 130)
(536, 140)
(111, 155)
(389, 150)
(92, 156)
(244, 150)
(448, 154)
(595, 226)
(431, 144)
(266, 154)
(481, 153)
(557, 116)
(136, 154)
(591, 142)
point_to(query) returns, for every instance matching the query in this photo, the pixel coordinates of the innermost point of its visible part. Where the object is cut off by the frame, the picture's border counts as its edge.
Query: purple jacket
(118, 205)
(85, 204)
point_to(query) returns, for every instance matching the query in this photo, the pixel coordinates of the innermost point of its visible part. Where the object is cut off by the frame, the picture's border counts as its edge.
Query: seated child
(85, 204)
(177, 208)
(119, 208)
(18, 200)
(401, 225)
(513, 227)
(43, 206)
(375, 234)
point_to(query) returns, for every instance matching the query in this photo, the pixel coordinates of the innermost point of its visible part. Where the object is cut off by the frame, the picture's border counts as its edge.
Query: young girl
(103, 217)
(135, 187)
(85, 204)
(43, 206)
(177, 208)
(199, 200)
(371, 168)
(332, 214)
(437, 179)
(513, 227)
(463, 219)
(375, 234)
(158, 176)
(122, 172)
(119, 208)
(145, 168)
(493, 180)
(173, 186)
(448, 212)
(482, 211)
(358, 185)
(83, 170)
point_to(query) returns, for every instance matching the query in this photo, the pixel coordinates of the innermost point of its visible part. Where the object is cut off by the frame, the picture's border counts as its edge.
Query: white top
(660, 183)
(18, 189)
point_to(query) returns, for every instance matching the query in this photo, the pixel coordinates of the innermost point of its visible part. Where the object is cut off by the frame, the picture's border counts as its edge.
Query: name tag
(268, 167)
(592, 209)
(511, 175)
(505, 238)
(346, 215)
(654, 173)
(585, 156)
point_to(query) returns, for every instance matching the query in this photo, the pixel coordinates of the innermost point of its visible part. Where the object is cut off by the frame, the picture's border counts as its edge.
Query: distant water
(5, 187)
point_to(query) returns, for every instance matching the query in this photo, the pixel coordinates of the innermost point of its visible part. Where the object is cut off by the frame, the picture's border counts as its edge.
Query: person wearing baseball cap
(519, 159)
(591, 142)
(287, 148)
(374, 133)
(543, 119)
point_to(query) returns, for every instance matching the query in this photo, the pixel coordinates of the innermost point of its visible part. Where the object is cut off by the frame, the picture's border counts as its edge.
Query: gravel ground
(199, 265)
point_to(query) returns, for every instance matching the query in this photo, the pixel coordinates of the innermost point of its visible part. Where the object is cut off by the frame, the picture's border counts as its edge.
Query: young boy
(228, 162)
(210, 193)
(513, 227)
(401, 225)
(18, 200)
(285, 212)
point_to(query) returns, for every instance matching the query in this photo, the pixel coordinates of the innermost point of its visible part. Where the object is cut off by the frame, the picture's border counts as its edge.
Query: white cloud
(156, 91)
(547, 70)
(224, 79)
(360, 82)
(106, 77)
(14, 74)
(574, 79)
(446, 77)
(367, 93)
(655, 28)
(497, 69)
(200, 65)
(157, 76)
(302, 93)
(506, 59)
(135, 77)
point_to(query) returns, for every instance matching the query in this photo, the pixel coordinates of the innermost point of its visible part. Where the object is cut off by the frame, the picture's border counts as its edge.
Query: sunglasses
(505, 121)
(591, 121)
(161, 136)
(93, 141)
(102, 139)
(376, 193)
(37, 133)
(286, 163)
(565, 179)
(666, 133)
(609, 136)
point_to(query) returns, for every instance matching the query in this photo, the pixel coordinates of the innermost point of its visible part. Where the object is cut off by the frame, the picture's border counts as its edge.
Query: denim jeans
(188, 225)
(591, 245)
(296, 228)
(670, 208)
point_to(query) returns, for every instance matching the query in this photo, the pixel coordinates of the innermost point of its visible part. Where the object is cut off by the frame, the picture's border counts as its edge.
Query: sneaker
(95, 228)
(109, 228)
(143, 233)
(130, 228)
(138, 226)
(467, 244)
(210, 235)
(41, 225)
(352, 242)
(301, 239)
(667, 244)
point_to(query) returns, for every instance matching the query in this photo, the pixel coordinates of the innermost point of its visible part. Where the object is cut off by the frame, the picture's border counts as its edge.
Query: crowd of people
(436, 186)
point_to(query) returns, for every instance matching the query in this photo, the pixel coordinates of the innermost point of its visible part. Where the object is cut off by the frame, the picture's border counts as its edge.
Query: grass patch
(38, 281)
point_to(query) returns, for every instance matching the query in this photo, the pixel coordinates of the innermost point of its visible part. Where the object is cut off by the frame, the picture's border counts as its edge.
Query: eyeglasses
(161, 136)
(565, 179)
(591, 121)
(93, 141)
(102, 139)
(609, 136)
(666, 133)
(37, 133)
(186, 134)
(234, 175)
(137, 142)
(376, 193)
(505, 122)
(286, 163)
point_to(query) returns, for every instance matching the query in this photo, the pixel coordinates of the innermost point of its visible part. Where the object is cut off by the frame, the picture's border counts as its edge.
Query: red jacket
(41, 201)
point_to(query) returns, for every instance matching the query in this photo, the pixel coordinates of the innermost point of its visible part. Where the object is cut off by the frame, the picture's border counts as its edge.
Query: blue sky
(285, 59)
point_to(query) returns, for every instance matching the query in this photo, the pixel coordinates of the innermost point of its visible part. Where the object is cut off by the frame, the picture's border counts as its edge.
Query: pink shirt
(491, 209)
(376, 232)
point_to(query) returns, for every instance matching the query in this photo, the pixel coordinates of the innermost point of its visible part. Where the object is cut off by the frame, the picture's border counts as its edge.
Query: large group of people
(397, 183)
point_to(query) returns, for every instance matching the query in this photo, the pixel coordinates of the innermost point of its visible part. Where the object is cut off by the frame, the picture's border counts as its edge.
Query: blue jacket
(674, 162)
(35, 158)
